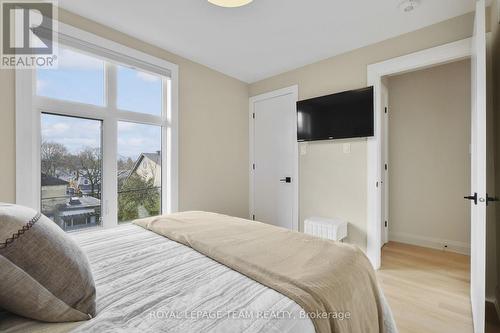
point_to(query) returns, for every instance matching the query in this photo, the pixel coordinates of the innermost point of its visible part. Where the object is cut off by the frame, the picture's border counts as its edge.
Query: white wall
(429, 161)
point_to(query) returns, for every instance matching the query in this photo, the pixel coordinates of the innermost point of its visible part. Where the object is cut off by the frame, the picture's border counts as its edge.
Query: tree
(90, 164)
(138, 193)
(125, 164)
(53, 157)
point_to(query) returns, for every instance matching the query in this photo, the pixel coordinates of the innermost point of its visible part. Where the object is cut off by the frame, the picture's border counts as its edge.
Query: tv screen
(348, 114)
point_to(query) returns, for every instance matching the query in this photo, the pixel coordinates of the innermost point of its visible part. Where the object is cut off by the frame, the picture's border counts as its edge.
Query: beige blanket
(329, 280)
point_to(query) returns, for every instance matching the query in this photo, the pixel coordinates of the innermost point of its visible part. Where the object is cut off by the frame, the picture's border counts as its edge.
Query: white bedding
(148, 283)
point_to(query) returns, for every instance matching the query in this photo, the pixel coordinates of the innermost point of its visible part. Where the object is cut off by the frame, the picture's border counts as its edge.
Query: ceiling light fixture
(409, 5)
(230, 3)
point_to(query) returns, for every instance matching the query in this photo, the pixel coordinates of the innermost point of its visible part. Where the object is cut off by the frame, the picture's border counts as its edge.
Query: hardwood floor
(428, 290)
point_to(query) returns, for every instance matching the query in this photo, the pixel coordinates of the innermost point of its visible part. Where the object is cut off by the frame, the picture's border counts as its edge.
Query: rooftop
(48, 180)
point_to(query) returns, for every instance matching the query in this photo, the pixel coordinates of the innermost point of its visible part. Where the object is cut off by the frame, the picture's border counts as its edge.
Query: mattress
(148, 283)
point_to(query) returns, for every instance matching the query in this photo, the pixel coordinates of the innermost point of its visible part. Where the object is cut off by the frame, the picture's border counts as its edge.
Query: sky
(78, 133)
(80, 78)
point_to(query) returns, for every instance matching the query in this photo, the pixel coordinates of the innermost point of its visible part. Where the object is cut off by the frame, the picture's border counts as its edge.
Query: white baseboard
(433, 243)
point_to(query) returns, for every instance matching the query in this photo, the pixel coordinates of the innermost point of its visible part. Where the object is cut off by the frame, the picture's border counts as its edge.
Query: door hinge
(386, 109)
(385, 166)
(386, 224)
(253, 166)
(253, 115)
(253, 217)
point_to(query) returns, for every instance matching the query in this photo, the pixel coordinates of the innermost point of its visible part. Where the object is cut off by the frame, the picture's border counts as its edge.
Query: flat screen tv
(348, 114)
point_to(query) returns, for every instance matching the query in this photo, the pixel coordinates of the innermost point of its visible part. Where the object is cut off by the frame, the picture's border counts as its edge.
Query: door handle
(472, 197)
(286, 180)
(490, 199)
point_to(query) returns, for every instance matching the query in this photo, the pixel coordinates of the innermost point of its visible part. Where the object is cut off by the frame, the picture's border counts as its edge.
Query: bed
(147, 283)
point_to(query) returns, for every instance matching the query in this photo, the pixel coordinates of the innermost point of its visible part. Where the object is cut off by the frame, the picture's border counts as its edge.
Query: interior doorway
(377, 146)
(427, 171)
(427, 158)
(475, 49)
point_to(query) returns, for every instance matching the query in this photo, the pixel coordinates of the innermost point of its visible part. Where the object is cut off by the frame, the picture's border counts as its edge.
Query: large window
(105, 123)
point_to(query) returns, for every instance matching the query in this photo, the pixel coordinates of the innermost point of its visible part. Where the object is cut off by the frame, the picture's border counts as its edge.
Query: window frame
(29, 108)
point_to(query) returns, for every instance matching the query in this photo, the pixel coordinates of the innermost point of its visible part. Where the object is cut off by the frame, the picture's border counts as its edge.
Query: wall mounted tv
(348, 114)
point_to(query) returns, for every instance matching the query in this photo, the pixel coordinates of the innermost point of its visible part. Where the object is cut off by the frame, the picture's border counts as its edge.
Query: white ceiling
(266, 37)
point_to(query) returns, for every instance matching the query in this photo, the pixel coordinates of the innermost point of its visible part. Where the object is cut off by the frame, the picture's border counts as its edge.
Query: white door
(478, 168)
(274, 158)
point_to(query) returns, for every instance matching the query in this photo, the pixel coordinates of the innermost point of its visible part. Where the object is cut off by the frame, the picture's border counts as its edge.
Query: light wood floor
(428, 290)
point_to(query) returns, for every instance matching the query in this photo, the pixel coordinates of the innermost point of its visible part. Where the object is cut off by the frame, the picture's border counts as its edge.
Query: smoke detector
(230, 3)
(408, 5)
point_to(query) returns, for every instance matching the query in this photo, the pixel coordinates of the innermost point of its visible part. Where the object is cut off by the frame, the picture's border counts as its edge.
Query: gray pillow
(43, 273)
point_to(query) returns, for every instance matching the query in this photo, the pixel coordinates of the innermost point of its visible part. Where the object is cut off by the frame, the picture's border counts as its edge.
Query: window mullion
(110, 84)
(166, 180)
(109, 138)
(49, 105)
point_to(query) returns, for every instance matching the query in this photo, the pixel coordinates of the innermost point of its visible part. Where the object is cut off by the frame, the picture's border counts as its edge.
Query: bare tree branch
(53, 156)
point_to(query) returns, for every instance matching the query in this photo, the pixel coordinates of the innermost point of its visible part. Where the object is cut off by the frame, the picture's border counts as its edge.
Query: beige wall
(340, 179)
(214, 128)
(429, 161)
(213, 151)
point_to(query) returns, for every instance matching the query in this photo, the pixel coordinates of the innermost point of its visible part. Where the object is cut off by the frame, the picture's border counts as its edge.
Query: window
(105, 122)
(139, 171)
(78, 78)
(139, 91)
(71, 171)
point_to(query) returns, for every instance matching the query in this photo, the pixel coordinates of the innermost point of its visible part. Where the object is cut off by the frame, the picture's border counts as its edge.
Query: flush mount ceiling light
(408, 5)
(230, 3)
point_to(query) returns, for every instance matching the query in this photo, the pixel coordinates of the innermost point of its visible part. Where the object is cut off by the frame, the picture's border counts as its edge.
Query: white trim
(431, 242)
(27, 168)
(375, 72)
(29, 108)
(93, 111)
(385, 160)
(294, 91)
(111, 50)
(170, 200)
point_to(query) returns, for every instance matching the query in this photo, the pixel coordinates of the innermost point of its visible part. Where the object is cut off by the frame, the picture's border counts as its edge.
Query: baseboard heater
(334, 229)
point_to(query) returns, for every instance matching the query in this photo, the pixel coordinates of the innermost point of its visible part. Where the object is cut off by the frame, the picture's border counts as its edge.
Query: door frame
(439, 55)
(385, 161)
(294, 91)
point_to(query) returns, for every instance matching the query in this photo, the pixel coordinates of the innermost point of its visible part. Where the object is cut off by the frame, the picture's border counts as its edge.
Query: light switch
(346, 147)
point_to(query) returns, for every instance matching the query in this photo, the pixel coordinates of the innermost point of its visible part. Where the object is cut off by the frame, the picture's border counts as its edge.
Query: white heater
(334, 229)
